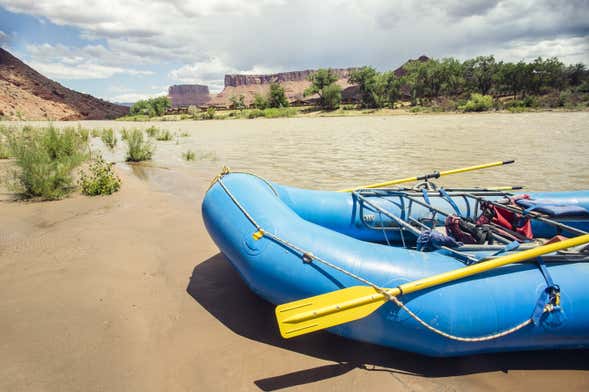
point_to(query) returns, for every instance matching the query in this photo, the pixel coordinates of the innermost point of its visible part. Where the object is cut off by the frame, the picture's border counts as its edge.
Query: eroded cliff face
(26, 94)
(293, 76)
(189, 94)
(294, 84)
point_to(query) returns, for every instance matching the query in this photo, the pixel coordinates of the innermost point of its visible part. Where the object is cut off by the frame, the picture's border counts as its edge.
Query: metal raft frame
(407, 198)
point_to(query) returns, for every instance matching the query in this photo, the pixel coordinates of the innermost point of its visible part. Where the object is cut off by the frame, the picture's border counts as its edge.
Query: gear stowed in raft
(440, 272)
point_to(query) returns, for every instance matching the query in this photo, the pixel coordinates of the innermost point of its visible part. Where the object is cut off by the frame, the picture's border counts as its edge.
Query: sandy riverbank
(129, 293)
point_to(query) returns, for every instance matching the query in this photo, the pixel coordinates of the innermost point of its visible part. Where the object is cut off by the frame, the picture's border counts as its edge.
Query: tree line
(423, 81)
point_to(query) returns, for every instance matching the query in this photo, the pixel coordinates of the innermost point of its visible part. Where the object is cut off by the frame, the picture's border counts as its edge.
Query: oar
(428, 176)
(342, 306)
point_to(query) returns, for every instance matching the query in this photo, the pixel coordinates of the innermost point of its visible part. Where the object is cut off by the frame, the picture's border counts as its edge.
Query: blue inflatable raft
(274, 236)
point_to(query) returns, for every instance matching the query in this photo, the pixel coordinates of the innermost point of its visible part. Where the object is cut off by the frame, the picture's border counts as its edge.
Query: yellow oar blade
(425, 177)
(342, 306)
(327, 310)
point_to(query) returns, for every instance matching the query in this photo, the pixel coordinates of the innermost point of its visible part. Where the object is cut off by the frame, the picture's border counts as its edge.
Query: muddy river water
(551, 149)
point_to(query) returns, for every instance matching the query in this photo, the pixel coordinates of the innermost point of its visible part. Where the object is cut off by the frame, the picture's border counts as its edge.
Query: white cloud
(81, 71)
(133, 97)
(216, 37)
(89, 62)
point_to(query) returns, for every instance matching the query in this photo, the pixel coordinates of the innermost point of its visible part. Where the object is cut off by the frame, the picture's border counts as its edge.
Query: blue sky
(124, 51)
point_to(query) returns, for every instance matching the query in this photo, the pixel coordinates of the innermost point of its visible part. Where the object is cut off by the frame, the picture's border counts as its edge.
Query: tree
(331, 96)
(151, 107)
(277, 97)
(365, 78)
(417, 80)
(237, 103)
(320, 81)
(452, 76)
(480, 73)
(576, 74)
(260, 102)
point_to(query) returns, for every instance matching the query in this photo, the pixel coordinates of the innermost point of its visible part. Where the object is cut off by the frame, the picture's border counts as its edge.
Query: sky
(127, 50)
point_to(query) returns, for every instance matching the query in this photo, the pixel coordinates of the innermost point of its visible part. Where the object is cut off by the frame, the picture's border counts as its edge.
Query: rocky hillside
(26, 94)
(294, 84)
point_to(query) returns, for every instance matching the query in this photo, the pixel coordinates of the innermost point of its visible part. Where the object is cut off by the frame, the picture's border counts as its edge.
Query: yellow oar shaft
(418, 178)
(439, 279)
(352, 303)
(346, 305)
(460, 273)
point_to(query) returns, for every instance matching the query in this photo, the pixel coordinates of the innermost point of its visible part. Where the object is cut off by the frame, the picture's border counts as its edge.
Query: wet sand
(128, 292)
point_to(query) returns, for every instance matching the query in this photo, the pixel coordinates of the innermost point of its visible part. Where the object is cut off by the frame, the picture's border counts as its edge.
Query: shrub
(151, 107)
(139, 149)
(4, 151)
(255, 113)
(237, 102)
(101, 179)
(478, 103)
(164, 136)
(277, 97)
(152, 131)
(189, 155)
(332, 96)
(46, 158)
(109, 138)
(260, 102)
(4, 148)
(124, 134)
(96, 132)
(193, 111)
(279, 112)
(84, 134)
(184, 134)
(209, 114)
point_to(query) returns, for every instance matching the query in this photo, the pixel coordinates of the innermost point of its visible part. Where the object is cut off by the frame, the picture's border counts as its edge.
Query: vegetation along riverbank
(420, 86)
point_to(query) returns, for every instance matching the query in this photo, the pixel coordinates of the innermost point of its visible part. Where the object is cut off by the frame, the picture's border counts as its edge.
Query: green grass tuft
(109, 138)
(139, 149)
(189, 155)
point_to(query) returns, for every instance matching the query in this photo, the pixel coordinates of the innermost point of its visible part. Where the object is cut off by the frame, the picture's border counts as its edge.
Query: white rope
(308, 257)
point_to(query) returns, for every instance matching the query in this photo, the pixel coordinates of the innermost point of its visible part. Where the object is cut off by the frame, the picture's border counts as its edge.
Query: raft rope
(308, 257)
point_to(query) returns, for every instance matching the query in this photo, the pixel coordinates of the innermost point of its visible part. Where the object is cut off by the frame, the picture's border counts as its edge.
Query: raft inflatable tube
(325, 223)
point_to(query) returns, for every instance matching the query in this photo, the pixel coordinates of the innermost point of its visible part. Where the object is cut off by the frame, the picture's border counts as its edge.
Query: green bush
(255, 113)
(139, 149)
(109, 138)
(478, 103)
(152, 131)
(124, 134)
(4, 150)
(100, 180)
(164, 136)
(279, 112)
(83, 133)
(260, 102)
(277, 97)
(46, 158)
(332, 96)
(96, 132)
(209, 114)
(189, 155)
(151, 107)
